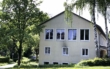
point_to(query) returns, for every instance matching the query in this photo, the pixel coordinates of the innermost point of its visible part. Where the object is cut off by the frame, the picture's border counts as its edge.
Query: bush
(4, 59)
(15, 59)
(94, 62)
(11, 61)
(25, 60)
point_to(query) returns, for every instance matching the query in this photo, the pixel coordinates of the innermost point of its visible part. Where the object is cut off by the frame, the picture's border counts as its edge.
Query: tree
(18, 16)
(102, 8)
(81, 4)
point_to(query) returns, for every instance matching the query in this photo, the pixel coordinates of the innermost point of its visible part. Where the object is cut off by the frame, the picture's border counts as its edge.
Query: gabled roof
(98, 27)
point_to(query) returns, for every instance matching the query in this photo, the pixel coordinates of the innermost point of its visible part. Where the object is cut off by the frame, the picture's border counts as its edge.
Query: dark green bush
(4, 59)
(94, 62)
(25, 60)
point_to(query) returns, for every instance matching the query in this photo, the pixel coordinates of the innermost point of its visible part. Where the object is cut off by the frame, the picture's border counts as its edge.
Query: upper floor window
(48, 33)
(84, 34)
(65, 51)
(47, 50)
(71, 34)
(60, 34)
(84, 52)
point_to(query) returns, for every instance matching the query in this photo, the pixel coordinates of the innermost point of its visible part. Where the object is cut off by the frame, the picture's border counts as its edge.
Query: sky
(54, 7)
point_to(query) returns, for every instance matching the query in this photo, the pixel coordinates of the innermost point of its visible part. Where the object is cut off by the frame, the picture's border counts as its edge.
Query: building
(61, 43)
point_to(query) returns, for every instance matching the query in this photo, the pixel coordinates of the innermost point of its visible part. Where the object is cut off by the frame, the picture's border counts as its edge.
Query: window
(55, 62)
(71, 34)
(84, 52)
(60, 34)
(46, 62)
(84, 34)
(49, 34)
(47, 50)
(65, 51)
(65, 63)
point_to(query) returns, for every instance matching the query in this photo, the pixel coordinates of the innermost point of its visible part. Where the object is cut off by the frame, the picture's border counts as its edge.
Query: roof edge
(98, 27)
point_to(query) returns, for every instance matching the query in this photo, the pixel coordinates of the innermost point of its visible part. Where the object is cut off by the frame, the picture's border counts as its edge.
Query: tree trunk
(20, 53)
(94, 23)
(106, 28)
(37, 52)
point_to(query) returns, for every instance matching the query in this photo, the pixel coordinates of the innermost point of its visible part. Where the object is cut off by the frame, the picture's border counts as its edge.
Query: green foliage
(11, 61)
(27, 65)
(35, 67)
(25, 60)
(4, 59)
(94, 62)
(68, 13)
(82, 4)
(27, 52)
(20, 20)
(109, 35)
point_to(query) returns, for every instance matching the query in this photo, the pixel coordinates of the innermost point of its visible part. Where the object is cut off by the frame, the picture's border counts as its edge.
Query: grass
(27, 64)
(2, 64)
(34, 65)
(95, 67)
(5, 63)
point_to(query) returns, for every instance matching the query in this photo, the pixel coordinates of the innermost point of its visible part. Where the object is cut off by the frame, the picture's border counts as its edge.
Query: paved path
(8, 66)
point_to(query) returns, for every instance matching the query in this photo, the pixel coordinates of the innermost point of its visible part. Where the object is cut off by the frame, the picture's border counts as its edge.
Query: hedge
(4, 59)
(95, 62)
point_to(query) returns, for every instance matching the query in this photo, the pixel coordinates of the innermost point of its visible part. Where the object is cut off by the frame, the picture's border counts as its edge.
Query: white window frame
(84, 34)
(49, 34)
(76, 34)
(60, 34)
(84, 52)
(65, 53)
(45, 50)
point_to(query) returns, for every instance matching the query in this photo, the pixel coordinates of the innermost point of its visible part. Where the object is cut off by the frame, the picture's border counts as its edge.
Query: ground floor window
(84, 52)
(46, 62)
(65, 63)
(47, 50)
(55, 62)
(65, 51)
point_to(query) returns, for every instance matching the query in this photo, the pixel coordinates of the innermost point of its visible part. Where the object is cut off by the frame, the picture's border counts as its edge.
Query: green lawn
(34, 65)
(2, 64)
(26, 64)
(96, 67)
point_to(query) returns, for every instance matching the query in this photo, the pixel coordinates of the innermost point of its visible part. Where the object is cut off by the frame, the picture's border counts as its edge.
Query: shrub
(97, 61)
(94, 62)
(15, 59)
(4, 59)
(25, 60)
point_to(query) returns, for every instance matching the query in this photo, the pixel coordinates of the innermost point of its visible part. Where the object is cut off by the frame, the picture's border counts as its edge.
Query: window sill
(47, 54)
(48, 39)
(85, 55)
(84, 40)
(65, 54)
(59, 40)
(72, 40)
